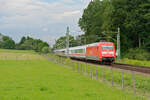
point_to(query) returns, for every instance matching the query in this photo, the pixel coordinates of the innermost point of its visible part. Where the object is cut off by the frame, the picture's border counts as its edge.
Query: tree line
(26, 43)
(101, 19)
(61, 42)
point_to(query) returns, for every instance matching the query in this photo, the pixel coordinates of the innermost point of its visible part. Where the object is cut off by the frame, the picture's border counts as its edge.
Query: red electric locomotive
(102, 51)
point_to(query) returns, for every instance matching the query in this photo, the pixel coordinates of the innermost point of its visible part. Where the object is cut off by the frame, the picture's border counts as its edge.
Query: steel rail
(141, 69)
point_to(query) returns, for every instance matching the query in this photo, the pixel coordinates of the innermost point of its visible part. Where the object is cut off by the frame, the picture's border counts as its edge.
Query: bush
(45, 50)
(138, 54)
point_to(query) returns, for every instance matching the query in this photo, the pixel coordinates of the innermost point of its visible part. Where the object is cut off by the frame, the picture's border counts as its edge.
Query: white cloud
(68, 1)
(67, 14)
(45, 29)
(38, 16)
(24, 11)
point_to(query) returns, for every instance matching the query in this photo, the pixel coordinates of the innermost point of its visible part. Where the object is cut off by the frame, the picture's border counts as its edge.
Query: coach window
(75, 51)
(72, 51)
(80, 50)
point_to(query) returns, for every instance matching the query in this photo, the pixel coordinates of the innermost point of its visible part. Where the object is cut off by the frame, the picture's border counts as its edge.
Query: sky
(43, 19)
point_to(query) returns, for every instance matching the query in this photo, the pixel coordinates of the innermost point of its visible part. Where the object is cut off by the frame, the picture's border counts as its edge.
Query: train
(103, 52)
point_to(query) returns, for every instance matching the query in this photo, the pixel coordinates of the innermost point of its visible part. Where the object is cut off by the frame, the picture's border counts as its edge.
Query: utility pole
(67, 41)
(118, 44)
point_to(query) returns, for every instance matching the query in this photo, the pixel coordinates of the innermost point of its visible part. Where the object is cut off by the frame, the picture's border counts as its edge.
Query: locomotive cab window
(107, 47)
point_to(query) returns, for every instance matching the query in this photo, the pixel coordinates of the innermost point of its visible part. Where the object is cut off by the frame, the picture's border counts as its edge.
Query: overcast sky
(44, 19)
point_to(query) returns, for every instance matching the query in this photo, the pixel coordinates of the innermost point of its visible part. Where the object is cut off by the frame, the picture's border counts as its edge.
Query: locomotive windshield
(107, 47)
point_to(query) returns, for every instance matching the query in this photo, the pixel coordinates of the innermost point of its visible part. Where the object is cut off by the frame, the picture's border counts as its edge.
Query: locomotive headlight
(103, 53)
(112, 53)
(109, 53)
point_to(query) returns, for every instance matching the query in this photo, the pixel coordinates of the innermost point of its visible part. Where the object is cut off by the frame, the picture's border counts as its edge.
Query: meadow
(19, 55)
(141, 80)
(135, 62)
(41, 79)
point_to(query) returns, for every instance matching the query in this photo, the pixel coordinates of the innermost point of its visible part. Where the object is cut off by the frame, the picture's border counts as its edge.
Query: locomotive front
(107, 51)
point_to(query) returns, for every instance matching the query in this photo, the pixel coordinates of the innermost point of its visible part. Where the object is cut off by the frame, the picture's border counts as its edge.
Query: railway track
(141, 69)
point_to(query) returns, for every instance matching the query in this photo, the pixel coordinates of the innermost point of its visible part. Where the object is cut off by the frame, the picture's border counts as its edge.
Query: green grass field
(141, 81)
(40, 79)
(135, 62)
(19, 55)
